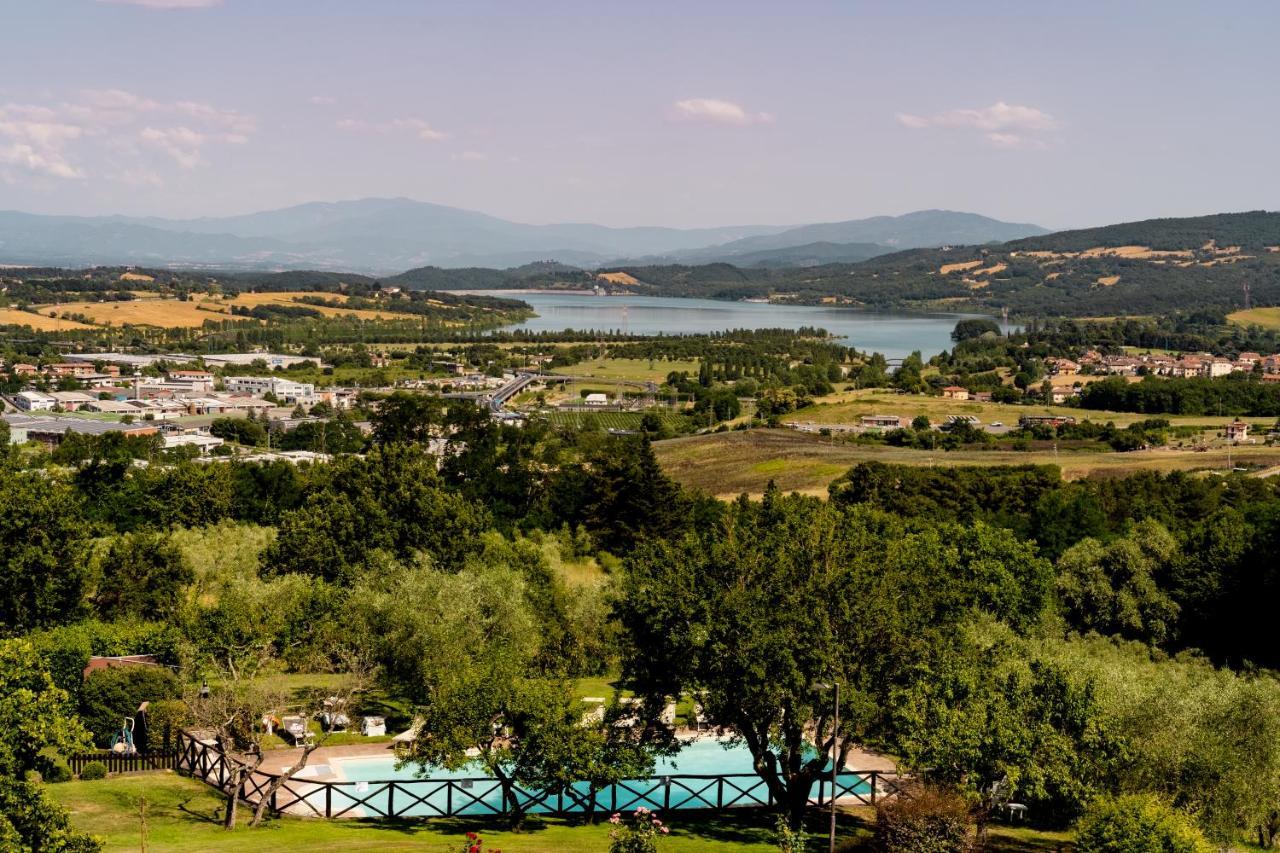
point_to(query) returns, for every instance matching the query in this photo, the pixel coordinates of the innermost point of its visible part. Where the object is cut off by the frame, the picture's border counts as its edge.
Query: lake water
(894, 335)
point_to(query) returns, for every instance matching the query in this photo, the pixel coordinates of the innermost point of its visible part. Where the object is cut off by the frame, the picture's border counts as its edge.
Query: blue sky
(684, 114)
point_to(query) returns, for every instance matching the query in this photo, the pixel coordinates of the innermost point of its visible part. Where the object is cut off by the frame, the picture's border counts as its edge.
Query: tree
(39, 721)
(1117, 588)
(43, 544)
(240, 430)
(759, 609)
(464, 649)
(1138, 823)
(143, 575)
(404, 417)
(109, 695)
(974, 328)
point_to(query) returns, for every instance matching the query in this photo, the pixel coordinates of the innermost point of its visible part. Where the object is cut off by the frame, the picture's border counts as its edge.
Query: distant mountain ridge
(384, 235)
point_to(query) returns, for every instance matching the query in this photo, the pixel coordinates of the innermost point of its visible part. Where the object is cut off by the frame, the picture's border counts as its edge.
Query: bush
(93, 771)
(110, 695)
(1137, 823)
(53, 767)
(923, 820)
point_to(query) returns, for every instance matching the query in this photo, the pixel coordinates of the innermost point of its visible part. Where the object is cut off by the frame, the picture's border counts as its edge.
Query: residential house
(69, 368)
(955, 392)
(1063, 366)
(1237, 431)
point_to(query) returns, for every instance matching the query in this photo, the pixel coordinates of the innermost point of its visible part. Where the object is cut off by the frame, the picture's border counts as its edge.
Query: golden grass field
(1268, 318)
(730, 463)
(167, 313)
(39, 322)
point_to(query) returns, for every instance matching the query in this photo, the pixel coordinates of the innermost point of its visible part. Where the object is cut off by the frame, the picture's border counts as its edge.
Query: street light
(835, 751)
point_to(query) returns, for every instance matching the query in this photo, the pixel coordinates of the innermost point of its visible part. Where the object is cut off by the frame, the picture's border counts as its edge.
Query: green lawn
(182, 817)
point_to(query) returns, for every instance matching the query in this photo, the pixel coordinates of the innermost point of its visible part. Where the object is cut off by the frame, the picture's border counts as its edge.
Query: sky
(643, 113)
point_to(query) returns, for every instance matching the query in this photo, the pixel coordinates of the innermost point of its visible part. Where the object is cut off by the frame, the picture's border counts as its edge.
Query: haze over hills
(388, 235)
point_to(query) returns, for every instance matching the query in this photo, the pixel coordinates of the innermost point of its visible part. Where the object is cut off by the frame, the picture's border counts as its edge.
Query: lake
(894, 335)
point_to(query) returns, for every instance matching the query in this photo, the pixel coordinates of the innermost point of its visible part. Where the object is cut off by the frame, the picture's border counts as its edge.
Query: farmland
(39, 322)
(609, 420)
(175, 313)
(728, 464)
(1267, 318)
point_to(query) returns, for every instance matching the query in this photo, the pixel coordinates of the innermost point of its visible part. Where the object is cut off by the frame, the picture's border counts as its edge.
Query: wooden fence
(116, 762)
(486, 796)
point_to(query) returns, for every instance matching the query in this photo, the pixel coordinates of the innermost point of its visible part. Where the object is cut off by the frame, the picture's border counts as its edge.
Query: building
(955, 392)
(203, 443)
(188, 381)
(1045, 420)
(597, 400)
(285, 390)
(1063, 367)
(71, 401)
(111, 407)
(1237, 431)
(881, 421)
(21, 369)
(34, 401)
(69, 368)
(272, 360)
(51, 430)
(1062, 394)
(1216, 367)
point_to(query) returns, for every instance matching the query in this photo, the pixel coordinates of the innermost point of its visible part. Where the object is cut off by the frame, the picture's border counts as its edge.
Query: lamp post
(835, 753)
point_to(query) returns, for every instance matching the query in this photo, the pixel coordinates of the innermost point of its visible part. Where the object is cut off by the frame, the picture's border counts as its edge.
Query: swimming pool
(707, 773)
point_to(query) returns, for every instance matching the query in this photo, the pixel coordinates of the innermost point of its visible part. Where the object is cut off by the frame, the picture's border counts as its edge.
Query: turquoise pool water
(704, 774)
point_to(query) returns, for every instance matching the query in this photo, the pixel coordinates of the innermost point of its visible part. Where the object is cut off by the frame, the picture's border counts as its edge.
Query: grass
(629, 369)
(731, 463)
(182, 816)
(1267, 318)
(847, 407)
(609, 420)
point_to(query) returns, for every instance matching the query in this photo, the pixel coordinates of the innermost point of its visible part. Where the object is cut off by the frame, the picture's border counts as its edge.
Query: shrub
(923, 820)
(1137, 823)
(93, 771)
(110, 695)
(638, 834)
(53, 767)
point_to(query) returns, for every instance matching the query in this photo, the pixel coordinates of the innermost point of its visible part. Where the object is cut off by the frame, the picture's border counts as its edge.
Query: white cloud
(38, 161)
(166, 4)
(471, 156)
(181, 143)
(33, 139)
(714, 111)
(322, 100)
(1003, 125)
(133, 130)
(419, 127)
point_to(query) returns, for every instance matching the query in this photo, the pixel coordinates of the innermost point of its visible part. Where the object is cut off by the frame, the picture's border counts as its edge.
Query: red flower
(475, 848)
(471, 836)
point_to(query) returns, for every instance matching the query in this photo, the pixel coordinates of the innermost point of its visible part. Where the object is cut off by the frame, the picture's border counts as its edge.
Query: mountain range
(381, 235)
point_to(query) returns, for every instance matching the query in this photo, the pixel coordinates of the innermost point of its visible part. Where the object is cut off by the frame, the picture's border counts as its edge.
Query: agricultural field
(730, 463)
(39, 322)
(611, 420)
(153, 310)
(848, 406)
(1267, 318)
(628, 369)
(253, 300)
(162, 313)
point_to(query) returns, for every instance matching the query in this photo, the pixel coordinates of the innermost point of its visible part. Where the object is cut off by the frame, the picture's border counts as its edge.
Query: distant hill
(385, 235)
(1252, 230)
(1137, 268)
